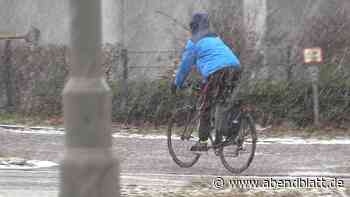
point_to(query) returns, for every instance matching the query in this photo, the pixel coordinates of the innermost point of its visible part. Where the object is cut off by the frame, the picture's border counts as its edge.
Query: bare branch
(177, 22)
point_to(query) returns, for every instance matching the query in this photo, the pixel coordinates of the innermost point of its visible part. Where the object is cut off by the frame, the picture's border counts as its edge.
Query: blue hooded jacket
(205, 50)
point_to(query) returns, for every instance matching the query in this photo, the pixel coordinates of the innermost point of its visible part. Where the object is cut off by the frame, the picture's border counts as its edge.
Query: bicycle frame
(203, 103)
(231, 139)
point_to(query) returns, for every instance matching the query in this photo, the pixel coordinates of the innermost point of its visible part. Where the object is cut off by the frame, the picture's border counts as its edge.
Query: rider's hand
(173, 88)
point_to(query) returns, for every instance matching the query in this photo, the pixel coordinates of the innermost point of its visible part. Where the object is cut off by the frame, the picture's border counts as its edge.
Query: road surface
(147, 168)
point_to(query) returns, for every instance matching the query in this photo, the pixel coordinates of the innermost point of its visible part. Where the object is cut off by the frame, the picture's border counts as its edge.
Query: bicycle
(231, 146)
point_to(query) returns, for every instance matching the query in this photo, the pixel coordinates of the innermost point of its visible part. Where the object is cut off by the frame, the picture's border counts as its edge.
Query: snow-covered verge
(123, 133)
(14, 163)
(272, 193)
(204, 189)
(131, 192)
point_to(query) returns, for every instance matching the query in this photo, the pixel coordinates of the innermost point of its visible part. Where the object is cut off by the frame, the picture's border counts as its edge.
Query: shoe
(201, 146)
(217, 141)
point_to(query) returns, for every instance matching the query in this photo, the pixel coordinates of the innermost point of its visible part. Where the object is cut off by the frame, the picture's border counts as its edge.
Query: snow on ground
(14, 163)
(315, 173)
(299, 140)
(125, 134)
(32, 130)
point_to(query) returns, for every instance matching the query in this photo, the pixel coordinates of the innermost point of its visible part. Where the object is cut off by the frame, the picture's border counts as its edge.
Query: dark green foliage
(292, 100)
(275, 102)
(147, 102)
(47, 91)
(283, 101)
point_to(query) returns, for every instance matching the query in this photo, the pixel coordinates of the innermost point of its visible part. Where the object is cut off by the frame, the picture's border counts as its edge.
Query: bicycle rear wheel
(181, 129)
(238, 153)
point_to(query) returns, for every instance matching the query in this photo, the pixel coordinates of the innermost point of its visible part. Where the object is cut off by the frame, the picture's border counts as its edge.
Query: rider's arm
(188, 59)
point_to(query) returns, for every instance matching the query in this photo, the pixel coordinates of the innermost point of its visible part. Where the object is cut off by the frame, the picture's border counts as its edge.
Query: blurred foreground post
(88, 168)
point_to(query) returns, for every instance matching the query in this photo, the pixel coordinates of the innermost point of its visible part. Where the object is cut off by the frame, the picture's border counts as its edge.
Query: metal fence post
(89, 168)
(8, 77)
(313, 57)
(314, 73)
(32, 37)
(124, 89)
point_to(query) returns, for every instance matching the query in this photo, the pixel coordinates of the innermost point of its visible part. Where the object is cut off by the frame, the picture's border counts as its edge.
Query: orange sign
(313, 55)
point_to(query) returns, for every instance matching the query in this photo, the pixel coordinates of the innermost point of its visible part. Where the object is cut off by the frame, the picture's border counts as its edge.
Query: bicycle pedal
(196, 153)
(217, 152)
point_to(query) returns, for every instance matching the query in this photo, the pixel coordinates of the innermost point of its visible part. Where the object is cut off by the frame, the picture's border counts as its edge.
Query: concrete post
(88, 168)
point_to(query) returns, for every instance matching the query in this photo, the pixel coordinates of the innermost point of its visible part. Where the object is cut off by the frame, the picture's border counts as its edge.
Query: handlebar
(194, 85)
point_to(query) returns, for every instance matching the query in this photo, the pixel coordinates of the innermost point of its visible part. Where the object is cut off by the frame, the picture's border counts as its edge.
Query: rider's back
(205, 50)
(213, 55)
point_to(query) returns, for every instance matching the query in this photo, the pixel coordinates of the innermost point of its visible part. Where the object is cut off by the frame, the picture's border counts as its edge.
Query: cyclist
(219, 68)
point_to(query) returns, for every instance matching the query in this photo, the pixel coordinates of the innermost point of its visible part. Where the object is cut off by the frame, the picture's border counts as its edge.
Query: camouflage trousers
(217, 93)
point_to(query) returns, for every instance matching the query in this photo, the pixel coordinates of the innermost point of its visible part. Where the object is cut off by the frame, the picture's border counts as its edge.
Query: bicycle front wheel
(237, 154)
(181, 136)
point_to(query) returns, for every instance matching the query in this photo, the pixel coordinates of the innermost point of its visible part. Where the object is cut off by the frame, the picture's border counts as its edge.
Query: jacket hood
(199, 26)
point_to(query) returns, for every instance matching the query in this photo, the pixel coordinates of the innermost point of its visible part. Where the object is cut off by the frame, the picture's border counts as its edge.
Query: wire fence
(131, 99)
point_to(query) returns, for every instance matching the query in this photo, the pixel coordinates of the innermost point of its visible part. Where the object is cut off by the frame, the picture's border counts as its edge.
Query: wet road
(147, 166)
